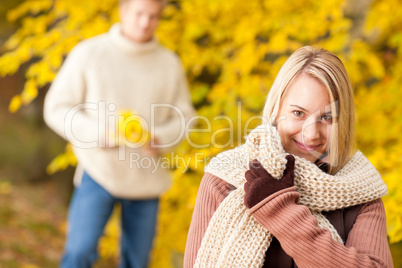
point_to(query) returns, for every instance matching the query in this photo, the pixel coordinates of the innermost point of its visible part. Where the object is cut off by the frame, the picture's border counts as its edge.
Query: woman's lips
(307, 148)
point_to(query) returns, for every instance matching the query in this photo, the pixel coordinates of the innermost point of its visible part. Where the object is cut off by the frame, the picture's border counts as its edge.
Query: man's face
(139, 19)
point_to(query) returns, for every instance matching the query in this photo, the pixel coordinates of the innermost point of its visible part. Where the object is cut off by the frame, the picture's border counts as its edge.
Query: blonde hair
(329, 70)
(162, 2)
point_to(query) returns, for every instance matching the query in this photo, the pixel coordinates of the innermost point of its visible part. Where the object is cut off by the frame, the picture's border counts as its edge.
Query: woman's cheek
(285, 129)
(290, 127)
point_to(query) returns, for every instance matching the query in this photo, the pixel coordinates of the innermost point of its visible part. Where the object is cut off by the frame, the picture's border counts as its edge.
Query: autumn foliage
(232, 51)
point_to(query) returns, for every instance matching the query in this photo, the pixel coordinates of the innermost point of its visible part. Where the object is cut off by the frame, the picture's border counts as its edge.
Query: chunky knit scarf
(234, 238)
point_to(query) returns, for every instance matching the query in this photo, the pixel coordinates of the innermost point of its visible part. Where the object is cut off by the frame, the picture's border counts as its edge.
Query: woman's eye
(298, 113)
(327, 118)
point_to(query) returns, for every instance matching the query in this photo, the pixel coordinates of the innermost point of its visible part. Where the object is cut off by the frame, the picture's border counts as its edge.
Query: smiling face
(139, 19)
(305, 119)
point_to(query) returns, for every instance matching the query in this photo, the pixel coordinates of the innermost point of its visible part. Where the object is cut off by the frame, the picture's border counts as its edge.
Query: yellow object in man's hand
(131, 129)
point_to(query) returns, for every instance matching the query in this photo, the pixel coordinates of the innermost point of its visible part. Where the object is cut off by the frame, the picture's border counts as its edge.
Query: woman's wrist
(277, 211)
(272, 197)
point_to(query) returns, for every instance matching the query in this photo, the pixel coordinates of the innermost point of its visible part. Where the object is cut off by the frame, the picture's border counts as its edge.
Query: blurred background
(232, 51)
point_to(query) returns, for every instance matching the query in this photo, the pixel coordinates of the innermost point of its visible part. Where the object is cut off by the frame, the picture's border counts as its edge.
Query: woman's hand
(260, 184)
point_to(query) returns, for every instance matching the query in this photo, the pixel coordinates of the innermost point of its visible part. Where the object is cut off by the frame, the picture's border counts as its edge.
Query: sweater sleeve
(211, 193)
(65, 110)
(181, 115)
(298, 232)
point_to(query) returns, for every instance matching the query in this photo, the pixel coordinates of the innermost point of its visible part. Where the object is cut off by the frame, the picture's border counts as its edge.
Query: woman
(297, 193)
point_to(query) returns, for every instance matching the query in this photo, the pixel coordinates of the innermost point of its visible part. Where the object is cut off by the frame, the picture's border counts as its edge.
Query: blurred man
(123, 69)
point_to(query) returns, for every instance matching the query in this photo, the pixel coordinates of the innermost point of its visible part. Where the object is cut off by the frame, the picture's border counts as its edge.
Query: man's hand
(150, 150)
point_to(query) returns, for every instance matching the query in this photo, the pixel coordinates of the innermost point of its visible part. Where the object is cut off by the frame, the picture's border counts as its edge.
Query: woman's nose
(310, 130)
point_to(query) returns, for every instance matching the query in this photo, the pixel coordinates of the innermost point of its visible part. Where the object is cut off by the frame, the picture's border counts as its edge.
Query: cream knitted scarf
(235, 239)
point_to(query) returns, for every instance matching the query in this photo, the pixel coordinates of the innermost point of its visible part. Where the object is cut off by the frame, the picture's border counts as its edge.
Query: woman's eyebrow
(298, 107)
(307, 111)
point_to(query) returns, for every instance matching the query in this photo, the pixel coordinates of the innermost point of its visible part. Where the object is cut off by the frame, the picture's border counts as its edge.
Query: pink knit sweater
(297, 230)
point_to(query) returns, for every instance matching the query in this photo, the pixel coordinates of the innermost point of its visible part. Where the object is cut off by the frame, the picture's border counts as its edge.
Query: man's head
(139, 18)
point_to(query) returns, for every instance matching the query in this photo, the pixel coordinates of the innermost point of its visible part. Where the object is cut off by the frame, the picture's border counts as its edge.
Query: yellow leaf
(30, 91)
(15, 104)
(5, 188)
(28, 265)
(62, 161)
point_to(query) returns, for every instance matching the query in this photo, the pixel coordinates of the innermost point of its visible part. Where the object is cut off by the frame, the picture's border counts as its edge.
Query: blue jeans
(90, 208)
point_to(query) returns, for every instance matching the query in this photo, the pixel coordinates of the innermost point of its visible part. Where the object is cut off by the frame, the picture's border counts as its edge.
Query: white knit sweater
(103, 76)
